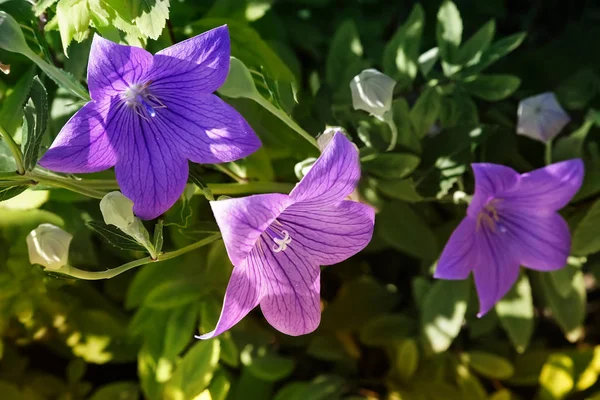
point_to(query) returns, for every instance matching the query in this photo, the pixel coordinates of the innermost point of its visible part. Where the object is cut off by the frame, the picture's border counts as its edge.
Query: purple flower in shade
(541, 117)
(512, 221)
(149, 115)
(277, 242)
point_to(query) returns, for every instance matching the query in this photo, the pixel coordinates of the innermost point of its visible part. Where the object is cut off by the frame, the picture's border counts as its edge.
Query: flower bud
(48, 245)
(117, 210)
(541, 117)
(302, 168)
(372, 91)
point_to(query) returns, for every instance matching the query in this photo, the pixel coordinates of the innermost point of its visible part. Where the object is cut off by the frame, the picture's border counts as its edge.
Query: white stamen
(281, 244)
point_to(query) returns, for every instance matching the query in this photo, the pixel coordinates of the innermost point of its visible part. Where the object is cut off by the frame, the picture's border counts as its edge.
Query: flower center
(280, 236)
(490, 218)
(143, 102)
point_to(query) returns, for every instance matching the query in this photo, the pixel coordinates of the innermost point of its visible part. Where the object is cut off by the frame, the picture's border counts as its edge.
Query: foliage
(388, 330)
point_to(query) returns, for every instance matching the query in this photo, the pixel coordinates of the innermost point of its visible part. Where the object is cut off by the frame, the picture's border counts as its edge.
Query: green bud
(239, 82)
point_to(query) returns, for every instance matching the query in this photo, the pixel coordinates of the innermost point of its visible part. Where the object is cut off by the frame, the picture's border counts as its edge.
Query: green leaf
(562, 279)
(358, 301)
(195, 371)
(76, 370)
(515, 311)
(239, 82)
(115, 236)
(528, 367)
(470, 53)
(407, 138)
(180, 329)
(11, 111)
(420, 287)
(175, 293)
(219, 386)
(391, 165)
(249, 47)
(458, 110)
(10, 391)
(569, 312)
(489, 365)
(327, 348)
(493, 53)
(110, 14)
(117, 390)
(401, 53)
(386, 329)
(586, 237)
(12, 39)
(470, 386)
(399, 189)
(419, 241)
(557, 378)
(449, 35)
(572, 146)
(579, 89)
(428, 59)
(407, 359)
(321, 388)
(503, 394)
(492, 87)
(150, 16)
(11, 36)
(73, 20)
(10, 192)
(266, 365)
(37, 108)
(42, 6)
(425, 111)
(443, 313)
(158, 236)
(344, 57)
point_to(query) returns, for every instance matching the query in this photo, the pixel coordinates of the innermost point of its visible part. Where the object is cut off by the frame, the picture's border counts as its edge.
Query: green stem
(92, 276)
(388, 118)
(229, 173)
(68, 184)
(548, 152)
(7, 184)
(62, 79)
(250, 187)
(97, 188)
(284, 117)
(14, 149)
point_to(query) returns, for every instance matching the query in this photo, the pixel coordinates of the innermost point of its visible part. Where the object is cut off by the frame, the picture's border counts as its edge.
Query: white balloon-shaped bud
(541, 117)
(48, 245)
(372, 91)
(117, 210)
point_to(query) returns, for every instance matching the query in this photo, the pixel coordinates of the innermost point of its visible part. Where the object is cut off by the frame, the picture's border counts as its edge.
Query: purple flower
(511, 221)
(541, 117)
(277, 242)
(149, 115)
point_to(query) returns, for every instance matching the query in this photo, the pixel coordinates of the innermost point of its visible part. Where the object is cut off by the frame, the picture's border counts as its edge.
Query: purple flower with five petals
(512, 221)
(149, 115)
(277, 242)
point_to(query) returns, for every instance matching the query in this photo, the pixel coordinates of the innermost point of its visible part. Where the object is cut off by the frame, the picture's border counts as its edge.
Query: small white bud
(325, 137)
(117, 210)
(302, 168)
(48, 245)
(541, 117)
(372, 91)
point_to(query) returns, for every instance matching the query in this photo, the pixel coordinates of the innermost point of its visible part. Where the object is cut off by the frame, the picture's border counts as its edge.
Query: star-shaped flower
(149, 115)
(277, 242)
(512, 221)
(541, 117)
